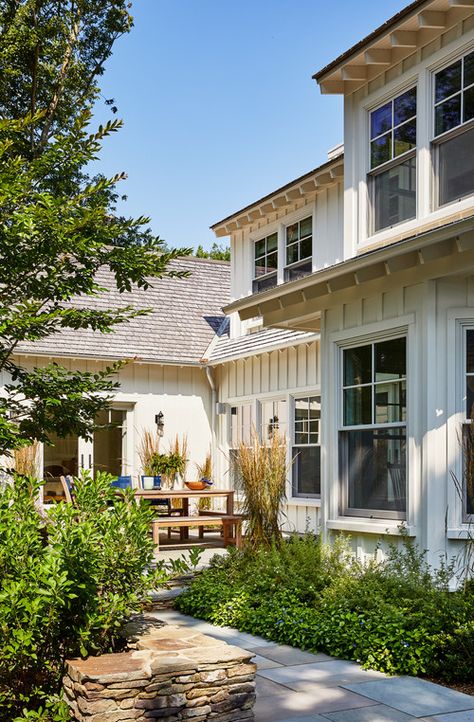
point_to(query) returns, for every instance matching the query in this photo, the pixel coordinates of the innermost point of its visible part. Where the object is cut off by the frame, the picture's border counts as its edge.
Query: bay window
(454, 129)
(306, 451)
(373, 431)
(265, 265)
(392, 177)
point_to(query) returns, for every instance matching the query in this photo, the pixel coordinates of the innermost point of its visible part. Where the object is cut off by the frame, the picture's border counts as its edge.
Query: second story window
(265, 263)
(299, 249)
(392, 178)
(454, 129)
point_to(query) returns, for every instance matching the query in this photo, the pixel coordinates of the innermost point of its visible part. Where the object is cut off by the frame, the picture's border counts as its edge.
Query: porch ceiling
(298, 304)
(411, 29)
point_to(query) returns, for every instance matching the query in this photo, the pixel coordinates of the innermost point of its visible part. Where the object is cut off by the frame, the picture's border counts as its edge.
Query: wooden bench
(230, 524)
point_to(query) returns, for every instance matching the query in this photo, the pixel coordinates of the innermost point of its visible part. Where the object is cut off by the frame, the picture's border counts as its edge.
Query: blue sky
(219, 105)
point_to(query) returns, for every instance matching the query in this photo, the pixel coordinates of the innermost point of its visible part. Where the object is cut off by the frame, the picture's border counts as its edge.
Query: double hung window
(265, 266)
(373, 431)
(454, 129)
(392, 179)
(468, 429)
(306, 451)
(299, 249)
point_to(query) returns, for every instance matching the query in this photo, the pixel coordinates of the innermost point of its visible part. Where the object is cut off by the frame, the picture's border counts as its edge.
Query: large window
(454, 129)
(299, 249)
(392, 179)
(306, 451)
(468, 429)
(373, 431)
(265, 263)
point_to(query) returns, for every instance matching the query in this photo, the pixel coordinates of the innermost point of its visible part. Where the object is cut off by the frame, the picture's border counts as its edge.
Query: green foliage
(217, 252)
(396, 616)
(68, 581)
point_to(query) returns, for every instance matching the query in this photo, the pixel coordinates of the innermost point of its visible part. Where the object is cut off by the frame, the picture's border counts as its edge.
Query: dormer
(286, 235)
(408, 124)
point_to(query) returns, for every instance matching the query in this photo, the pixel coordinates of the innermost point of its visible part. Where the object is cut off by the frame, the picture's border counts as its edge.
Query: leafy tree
(58, 225)
(217, 252)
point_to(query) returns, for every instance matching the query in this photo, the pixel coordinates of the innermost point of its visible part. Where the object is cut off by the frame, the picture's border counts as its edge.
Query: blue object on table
(122, 482)
(157, 482)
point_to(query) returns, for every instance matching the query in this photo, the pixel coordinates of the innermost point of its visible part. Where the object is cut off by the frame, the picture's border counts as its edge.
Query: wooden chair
(66, 483)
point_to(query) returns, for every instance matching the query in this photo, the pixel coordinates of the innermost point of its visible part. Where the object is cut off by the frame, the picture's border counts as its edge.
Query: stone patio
(297, 686)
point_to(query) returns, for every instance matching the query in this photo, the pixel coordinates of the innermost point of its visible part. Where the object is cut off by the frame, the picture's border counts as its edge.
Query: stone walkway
(296, 686)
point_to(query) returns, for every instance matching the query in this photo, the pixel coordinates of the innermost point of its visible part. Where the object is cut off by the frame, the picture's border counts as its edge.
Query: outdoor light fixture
(160, 424)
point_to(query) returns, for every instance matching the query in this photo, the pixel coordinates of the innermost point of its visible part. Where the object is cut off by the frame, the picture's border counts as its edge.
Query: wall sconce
(160, 424)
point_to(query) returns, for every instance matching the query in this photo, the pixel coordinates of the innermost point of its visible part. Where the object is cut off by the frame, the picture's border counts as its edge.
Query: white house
(370, 258)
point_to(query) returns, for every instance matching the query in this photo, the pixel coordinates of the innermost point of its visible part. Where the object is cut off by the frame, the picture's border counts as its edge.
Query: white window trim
(314, 499)
(332, 493)
(308, 259)
(458, 321)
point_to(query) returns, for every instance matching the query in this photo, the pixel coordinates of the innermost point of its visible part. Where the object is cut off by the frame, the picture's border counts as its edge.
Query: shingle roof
(225, 348)
(186, 314)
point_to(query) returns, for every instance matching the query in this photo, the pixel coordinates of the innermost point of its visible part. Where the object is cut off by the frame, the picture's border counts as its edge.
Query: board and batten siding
(181, 393)
(283, 373)
(428, 311)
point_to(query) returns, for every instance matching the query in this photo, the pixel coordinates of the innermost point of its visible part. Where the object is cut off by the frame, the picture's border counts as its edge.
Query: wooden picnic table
(186, 495)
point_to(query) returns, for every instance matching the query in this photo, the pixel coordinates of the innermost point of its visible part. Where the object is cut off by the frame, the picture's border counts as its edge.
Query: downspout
(212, 384)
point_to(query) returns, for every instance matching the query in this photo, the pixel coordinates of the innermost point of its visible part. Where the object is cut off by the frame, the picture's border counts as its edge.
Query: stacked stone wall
(172, 674)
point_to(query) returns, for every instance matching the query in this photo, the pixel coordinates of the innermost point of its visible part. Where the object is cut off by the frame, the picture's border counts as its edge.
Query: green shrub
(68, 581)
(397, 616)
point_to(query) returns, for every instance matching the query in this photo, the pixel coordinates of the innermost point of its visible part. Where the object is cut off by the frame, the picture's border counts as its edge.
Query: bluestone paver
(377, 713)
(333, 672)
(414, 696)
(466, 716)
(289, 655)
(281, 707)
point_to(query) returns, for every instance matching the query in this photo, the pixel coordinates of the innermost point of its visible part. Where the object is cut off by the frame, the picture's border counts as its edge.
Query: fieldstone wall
(171, 674)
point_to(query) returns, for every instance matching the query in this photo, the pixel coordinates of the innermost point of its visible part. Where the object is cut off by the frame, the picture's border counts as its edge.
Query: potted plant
(204, 471)
(148, 450)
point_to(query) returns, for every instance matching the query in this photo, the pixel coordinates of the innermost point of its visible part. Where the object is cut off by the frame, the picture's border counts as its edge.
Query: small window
(392, 179)
(306, 451)
(299, 249)
(265, 263)
(454, 130)
(373, 432)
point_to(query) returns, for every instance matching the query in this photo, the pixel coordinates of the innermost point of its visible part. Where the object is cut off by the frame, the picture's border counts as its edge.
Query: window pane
(381, 150)
(390, 359)
(390, 402)
(470, 352)
(404, 107)
(448, 81)
(264, 283)
(61, 459)
(292, 233)
(456, 163)
(234, 472)
(376, 469)
(469, 70)
(306, 471)
(394, 195)
(272, 261)
(404, 138)
(470, 397)
(358, 365)
(292, 253)
(306, 247)
(260, 248)
(381, 120)
(303, 269)
(358, 406)
(306, 227)
(315, 407)
(272, 242)
(301, 409)
(468, 112)
(468, 467)
(448, 115)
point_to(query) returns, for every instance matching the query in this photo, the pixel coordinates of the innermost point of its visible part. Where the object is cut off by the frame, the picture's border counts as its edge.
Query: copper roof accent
(381, 30)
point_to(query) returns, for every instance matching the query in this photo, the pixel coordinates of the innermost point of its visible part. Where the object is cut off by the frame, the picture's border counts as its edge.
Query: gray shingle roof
(226, 348)
(186, 314)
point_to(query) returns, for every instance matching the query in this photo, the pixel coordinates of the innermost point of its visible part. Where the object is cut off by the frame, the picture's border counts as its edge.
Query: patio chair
(67, 486)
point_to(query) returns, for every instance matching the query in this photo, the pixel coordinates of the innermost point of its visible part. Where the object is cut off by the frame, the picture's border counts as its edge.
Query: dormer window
(265, 263)
(454, 129)
(299, 249)
(392, 177)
